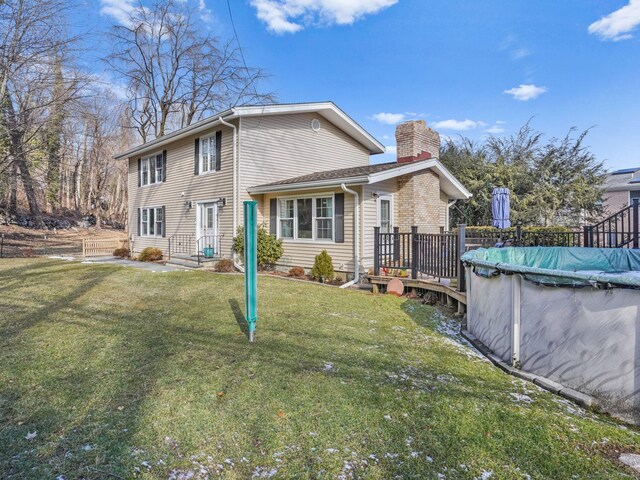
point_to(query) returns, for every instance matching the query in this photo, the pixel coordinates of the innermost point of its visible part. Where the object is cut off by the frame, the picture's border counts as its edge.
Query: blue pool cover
(561, 266)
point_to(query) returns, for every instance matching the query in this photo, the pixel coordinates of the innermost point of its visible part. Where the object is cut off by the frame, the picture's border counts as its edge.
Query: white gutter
(356, 246)
(235, 185)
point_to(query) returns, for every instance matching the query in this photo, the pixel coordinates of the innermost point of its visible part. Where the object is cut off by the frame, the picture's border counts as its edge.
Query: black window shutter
(273, 216)
(339, 218)
(164, 165)
(139, 172)
(196, 162)
(139, 220)
(164, 221)
(218, 150)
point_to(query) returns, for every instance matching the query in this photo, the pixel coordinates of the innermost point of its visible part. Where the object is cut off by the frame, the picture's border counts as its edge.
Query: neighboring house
(620, 188)
(307, 166)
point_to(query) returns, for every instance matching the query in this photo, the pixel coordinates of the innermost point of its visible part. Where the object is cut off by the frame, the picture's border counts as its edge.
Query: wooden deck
(422, 284)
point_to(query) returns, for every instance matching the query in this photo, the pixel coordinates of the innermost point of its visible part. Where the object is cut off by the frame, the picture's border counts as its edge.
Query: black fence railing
(620, 230)
(208, 247)
(181, 244)
(523, 237)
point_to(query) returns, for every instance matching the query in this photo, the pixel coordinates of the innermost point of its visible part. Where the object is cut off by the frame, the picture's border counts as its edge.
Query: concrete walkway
(152, 267)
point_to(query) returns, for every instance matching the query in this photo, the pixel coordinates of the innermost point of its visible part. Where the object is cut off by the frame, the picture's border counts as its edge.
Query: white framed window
(151, 221)
(307, 218)
(287, 214)
(151, 169)
(208, 154)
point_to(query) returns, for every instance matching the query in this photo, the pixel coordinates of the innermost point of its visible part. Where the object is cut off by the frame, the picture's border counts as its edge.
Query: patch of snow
(387, 417)
(428, 459)
(332, 450)
(328, 366)
(264, 472)
(520, 397)
(485, 475)
(31, 435)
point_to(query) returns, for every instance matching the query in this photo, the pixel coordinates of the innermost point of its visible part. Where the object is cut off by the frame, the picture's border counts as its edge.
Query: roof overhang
(328, 110)
(448, 183)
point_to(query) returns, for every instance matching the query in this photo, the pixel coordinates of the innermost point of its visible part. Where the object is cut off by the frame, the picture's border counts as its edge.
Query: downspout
(235, 186)
(449, 205)
(356, 246)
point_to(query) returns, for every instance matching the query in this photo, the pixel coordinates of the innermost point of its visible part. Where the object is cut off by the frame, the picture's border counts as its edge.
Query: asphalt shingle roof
(337, 174)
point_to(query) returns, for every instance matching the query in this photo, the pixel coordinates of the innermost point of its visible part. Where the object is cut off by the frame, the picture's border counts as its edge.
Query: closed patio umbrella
(500, 206)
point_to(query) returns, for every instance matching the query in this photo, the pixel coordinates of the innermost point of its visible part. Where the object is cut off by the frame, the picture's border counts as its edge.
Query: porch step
(193, 258)
(177, 262)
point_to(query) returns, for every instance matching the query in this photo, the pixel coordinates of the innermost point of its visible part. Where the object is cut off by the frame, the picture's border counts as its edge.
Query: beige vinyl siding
(181, 178)
(278, 147)
(303, 253)
(370, 217)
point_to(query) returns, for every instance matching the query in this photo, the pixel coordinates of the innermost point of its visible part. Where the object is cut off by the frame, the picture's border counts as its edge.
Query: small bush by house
(297, 272)
(150, 254)
(122, 252)
(269, 247)
(225, 266)
(323, 267)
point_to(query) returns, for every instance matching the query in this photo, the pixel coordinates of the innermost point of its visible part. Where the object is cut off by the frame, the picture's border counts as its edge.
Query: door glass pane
(305, 218)
(385, 216)
(209, 217)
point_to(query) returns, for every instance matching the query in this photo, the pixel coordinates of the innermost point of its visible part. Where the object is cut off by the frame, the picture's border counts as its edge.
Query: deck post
(396, 244)
(462, 244)
(587, 236)
(376, 251)
(636, 220)
(414, 252)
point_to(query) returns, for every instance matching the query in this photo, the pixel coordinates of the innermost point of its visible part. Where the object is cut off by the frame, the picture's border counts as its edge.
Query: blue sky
(466, 67)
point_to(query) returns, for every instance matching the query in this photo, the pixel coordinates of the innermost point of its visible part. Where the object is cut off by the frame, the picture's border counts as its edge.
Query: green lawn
(122, 373)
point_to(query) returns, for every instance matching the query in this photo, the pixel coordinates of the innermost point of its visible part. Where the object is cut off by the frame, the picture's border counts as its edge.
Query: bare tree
(33, 39)
(176, 74)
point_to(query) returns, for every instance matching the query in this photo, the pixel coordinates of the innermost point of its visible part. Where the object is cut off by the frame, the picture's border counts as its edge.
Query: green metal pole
(251, 265)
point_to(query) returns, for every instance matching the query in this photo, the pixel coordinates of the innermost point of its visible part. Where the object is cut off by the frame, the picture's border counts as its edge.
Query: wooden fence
(102, 247)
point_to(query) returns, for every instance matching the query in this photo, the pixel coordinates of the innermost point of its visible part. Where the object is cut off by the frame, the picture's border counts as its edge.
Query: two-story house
(621, 187)
(307, 166)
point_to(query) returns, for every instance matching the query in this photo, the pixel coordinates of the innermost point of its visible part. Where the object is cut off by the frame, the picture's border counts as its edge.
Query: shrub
(297, 272)
(269, 247)
(323, 267)
(150, 254)
(225, 266)
(121, 252)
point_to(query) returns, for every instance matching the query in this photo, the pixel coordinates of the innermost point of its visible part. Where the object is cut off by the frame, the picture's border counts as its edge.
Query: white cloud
(391, 150)
(120, 10)
(458, 125)
(495, 129)
(526, 92)
(389, 118)
(290, 16)
(619, 24)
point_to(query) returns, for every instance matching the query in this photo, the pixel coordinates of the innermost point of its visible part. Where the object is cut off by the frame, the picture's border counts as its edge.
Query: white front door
(208, 226)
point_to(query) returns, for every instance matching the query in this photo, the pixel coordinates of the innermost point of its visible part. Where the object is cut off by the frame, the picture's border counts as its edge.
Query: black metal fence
(620, 230)
(523, 237)
(181, 244)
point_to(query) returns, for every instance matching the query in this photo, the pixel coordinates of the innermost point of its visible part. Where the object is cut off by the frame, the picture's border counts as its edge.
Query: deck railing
(620, 230)
(414, 254)
(523, 237)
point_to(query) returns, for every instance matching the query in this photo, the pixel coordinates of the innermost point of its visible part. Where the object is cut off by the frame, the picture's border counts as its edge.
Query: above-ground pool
(570, 315)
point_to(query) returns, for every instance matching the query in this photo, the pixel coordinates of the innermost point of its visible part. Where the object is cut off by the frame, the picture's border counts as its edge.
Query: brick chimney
(415, 141)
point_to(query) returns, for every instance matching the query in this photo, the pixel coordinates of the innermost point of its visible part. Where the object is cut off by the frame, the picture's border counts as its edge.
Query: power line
(244, 62)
